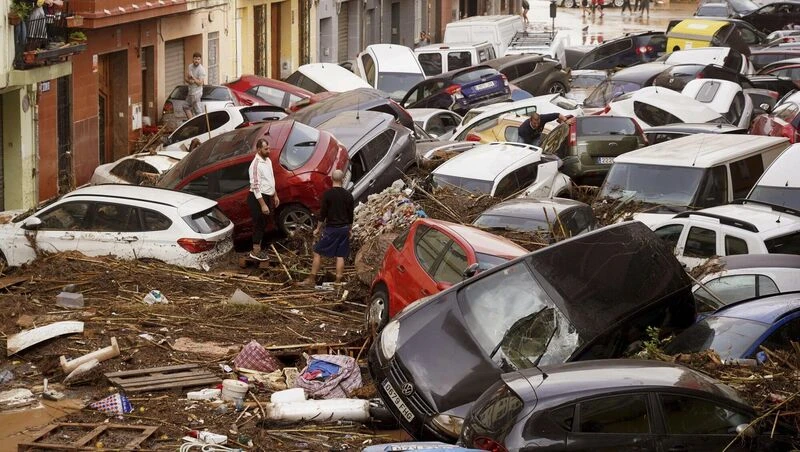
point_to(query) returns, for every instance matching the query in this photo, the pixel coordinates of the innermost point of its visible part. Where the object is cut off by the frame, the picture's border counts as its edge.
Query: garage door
(2, 153)
(173, 65)
(343, 27)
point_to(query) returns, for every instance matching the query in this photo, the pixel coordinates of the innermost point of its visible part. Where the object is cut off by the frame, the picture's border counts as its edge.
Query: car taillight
(473, 137)
(244, 124)
(505, 79)
(196, 245)
(573, 134)
(640, 132)
(484, 443)
(603, 111)
(453, 89)
(643, 50)
(168, 107)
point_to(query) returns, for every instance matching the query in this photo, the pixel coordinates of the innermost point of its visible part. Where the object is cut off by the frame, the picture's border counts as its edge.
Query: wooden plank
(146, 432)
(179, 384)
(90, 436)
(9, 281)
(80, 444)
(151, 370)
(128, 382)
(28, 338)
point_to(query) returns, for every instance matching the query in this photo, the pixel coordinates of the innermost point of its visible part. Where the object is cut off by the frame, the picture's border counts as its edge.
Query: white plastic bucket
(288, 395)
(234, 389)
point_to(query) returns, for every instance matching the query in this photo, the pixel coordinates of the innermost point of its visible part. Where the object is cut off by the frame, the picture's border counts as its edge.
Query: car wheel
(294, 218)
(569, 3)
(377, 314)
(557, 88)
(618, 3)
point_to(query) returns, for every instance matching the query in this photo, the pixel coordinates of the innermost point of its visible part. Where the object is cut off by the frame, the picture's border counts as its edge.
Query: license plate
(605, 160)
(398, 402)
(483, 86)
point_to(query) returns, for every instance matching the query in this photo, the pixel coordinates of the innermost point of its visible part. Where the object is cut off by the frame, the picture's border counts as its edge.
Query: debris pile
(388, 211)
(453, 204)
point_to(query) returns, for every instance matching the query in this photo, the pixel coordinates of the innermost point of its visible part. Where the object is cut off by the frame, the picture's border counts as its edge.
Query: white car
(548, 103)
(656, 106)
(780, 183)
(136, 169)
(722, 56)
(747, 276)
(746, 227)
(503, 170)
(319, 77)
(725, 97)
(125, 221)
(436, 122)
(391, 68)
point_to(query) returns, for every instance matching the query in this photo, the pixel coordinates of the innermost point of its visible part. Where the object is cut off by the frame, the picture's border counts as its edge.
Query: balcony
(104, 13)
(45, 38)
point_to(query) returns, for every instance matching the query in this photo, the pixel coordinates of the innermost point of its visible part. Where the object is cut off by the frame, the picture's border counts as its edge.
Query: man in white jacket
(263, 198)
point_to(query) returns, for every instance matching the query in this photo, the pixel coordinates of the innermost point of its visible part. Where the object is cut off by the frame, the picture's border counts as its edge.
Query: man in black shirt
(530, 131)
(335, 219)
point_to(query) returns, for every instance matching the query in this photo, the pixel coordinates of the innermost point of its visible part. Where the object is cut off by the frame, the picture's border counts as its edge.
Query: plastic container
(234, 389)
(329, 410)
(208, 437)
(288, 396)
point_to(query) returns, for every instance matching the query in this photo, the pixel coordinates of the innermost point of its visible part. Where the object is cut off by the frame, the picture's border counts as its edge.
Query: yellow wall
(19, 149)
(290, 34)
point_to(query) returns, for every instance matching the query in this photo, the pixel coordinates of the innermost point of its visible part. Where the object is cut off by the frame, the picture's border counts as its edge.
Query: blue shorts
(335, 242)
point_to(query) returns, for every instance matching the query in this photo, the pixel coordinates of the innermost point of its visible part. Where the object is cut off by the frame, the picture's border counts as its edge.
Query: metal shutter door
(173, 65)
(343, 27)
(2, 153)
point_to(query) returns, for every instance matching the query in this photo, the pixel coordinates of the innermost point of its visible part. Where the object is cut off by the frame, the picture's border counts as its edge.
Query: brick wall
(47, 161)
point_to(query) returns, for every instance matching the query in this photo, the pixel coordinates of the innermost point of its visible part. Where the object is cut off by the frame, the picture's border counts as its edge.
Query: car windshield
(207, 221)
(397, 84)
(487, 261)
(299, 146)
(729, 337)
(473, 75)
(608, 91)
(215, 93)
(470, 185)
(605, 125)
(657, 184)
(513, 223)
(777, 196)
(719, 10)
(523, 330)
(587, 80)
(743, 6)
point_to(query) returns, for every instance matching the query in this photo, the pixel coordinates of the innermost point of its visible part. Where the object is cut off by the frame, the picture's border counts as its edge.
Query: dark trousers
(260, 221)
(626, 4)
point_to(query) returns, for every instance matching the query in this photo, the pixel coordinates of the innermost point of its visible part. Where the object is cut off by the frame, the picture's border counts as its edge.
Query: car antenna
(697, 154)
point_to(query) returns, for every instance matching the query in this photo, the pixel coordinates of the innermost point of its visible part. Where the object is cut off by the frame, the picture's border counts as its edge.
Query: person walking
(530, 131)
(626, 4)
(525, 8)
(195, 78)
(262, 199)
(645, 6)
(335, 220)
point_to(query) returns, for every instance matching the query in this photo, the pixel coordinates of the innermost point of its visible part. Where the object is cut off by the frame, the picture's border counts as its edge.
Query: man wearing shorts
(335, 220)
(525, 8)
(195, 78)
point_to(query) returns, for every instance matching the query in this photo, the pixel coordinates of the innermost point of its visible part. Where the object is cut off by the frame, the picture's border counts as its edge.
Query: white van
(498, 30)
(780, 184)
(693, 172)
(437, 59)
(320, 77)
(391, 68)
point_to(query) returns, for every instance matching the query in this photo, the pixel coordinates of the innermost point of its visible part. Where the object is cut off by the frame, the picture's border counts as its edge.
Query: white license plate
(398, 402)
(483, 86)
(605, 160)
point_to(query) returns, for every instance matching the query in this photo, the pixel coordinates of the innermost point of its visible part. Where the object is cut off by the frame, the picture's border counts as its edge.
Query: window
(199, 125)
(786, 112)
(782, 338)
(731, 289)
(510, 72)
(714, 190)
(483, 55)
(378, 147)
(428, 245)
(207, 221)
(221, 182)
(130, 170)
(69, 216)
(110, 217)
(689, 415)
(299, 147)
(511, 134)
(458, 60)
(563, 417)
(454, 262)
(154, 221)
(653, 115)
(700, 242)
(733, 61)
(787, 244)
(213, 58)
(431, 63)
(619, 414)
(707, 92)
(735, 245)
(745, 174)
(516, 180)
(400, 241)
(670, 234)
(734, 114)
(270, 95)
(369, 68)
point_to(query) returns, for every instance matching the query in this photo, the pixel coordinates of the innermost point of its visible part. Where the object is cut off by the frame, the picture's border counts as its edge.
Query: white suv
(126, 221)
(744, 227)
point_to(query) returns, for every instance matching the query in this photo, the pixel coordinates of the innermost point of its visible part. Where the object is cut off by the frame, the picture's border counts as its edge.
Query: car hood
(596, 280)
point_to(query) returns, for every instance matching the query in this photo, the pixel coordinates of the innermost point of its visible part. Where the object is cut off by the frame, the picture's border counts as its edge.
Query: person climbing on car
(530, 131)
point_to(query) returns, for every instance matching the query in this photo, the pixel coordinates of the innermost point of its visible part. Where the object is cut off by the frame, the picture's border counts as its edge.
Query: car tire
(293, 218)
(556, 87)
(3, 263)
(570, 3)
(377, 314)
(618, 3)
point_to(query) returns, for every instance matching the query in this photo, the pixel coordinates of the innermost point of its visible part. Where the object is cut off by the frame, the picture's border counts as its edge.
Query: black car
(588, 297)
(459, 90)
(619, 405)
(534, 73)
(357, 99)
(768, 55)
(729, 8)
(668, 132)
(564, 217)
(625, 81)
(628, 50)
(774, 16)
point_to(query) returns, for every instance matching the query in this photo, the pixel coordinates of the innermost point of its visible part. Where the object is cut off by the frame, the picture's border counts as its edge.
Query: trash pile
(388, 211)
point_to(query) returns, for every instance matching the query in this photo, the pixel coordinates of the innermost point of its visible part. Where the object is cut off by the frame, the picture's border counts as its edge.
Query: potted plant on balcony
(77, 37)
(19, 11)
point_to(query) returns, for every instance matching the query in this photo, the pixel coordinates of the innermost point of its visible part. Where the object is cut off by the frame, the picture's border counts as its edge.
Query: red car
(429, 257)
(273, 92)
(783, 121)
(303, 160)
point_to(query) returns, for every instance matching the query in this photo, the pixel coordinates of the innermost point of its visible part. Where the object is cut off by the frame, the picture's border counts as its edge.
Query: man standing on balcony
(196, 78)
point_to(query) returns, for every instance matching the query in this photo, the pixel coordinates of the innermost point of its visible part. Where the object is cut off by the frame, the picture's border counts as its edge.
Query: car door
(621, 422)
(429, 246)
(229, 186)
(112, 229)
(698, 244)
(198, 127)
(156, 239)
(671, 234)
(378, 164)
(692, 423)
(60, 230)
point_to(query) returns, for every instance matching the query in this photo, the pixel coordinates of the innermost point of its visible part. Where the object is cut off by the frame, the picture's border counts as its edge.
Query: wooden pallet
(160, 378)
(89, 436)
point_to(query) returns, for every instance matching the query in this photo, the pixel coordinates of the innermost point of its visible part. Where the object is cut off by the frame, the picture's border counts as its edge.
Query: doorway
(147, 62)
(64, 96)
(395, 37)
(112, 93)
(275, 39)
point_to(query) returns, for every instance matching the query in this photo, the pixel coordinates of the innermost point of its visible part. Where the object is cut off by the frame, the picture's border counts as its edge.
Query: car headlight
(389, 337)
(448, 424)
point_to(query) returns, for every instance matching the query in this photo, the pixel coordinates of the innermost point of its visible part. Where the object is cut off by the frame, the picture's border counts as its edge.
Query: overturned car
(589, 297)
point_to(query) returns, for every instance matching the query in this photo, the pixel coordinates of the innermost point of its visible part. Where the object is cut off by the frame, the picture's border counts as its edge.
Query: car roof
(692, 25)
(162, 160)
(394, 58)
(577, 379)
(692, 128)
(480, 240)
(456, 72)
(703, 55)
(322, 72)
(421, 114)
(783, 171)
(487, 161)
(497, 18)
(722, 97)
(764, 309)
(349, 127)
(531, 207)
(669, 100)
(452, 46)
(702, 150)
(745, 261)
(508, 59)
(185, 203)
(640, 72)
(765, 219)
(257, 80)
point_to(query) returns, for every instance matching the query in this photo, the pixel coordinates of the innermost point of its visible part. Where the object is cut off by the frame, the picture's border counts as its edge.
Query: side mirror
(765, 107)
(31, 223)
(165, 140)
(471, 271)
(443, 285)
(746, 430)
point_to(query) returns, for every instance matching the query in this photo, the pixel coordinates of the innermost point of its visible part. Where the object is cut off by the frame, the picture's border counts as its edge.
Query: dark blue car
(736, 331)
(459, 90)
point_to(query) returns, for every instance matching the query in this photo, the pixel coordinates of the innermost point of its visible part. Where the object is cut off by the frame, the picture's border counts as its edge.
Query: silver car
(214, 98)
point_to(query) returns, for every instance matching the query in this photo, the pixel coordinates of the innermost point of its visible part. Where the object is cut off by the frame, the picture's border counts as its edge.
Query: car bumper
(462, 106)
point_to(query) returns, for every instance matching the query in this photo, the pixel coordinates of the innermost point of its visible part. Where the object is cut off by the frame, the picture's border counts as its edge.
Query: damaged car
(588, 297)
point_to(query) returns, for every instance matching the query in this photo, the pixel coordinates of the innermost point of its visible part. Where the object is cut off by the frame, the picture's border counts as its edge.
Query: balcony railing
(44, 38)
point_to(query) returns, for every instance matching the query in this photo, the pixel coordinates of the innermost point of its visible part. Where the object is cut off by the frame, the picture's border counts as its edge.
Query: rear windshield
(299, 147)
(677, 77)
(474, 75)
(494, 415)
(397, 84)
(777, 196)
(608, 91)
(207, 221)
(605, 125)
(470, 185)
(787, 244)
(216, 93)
(729, 337)
(513, 223)
(587, 80)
